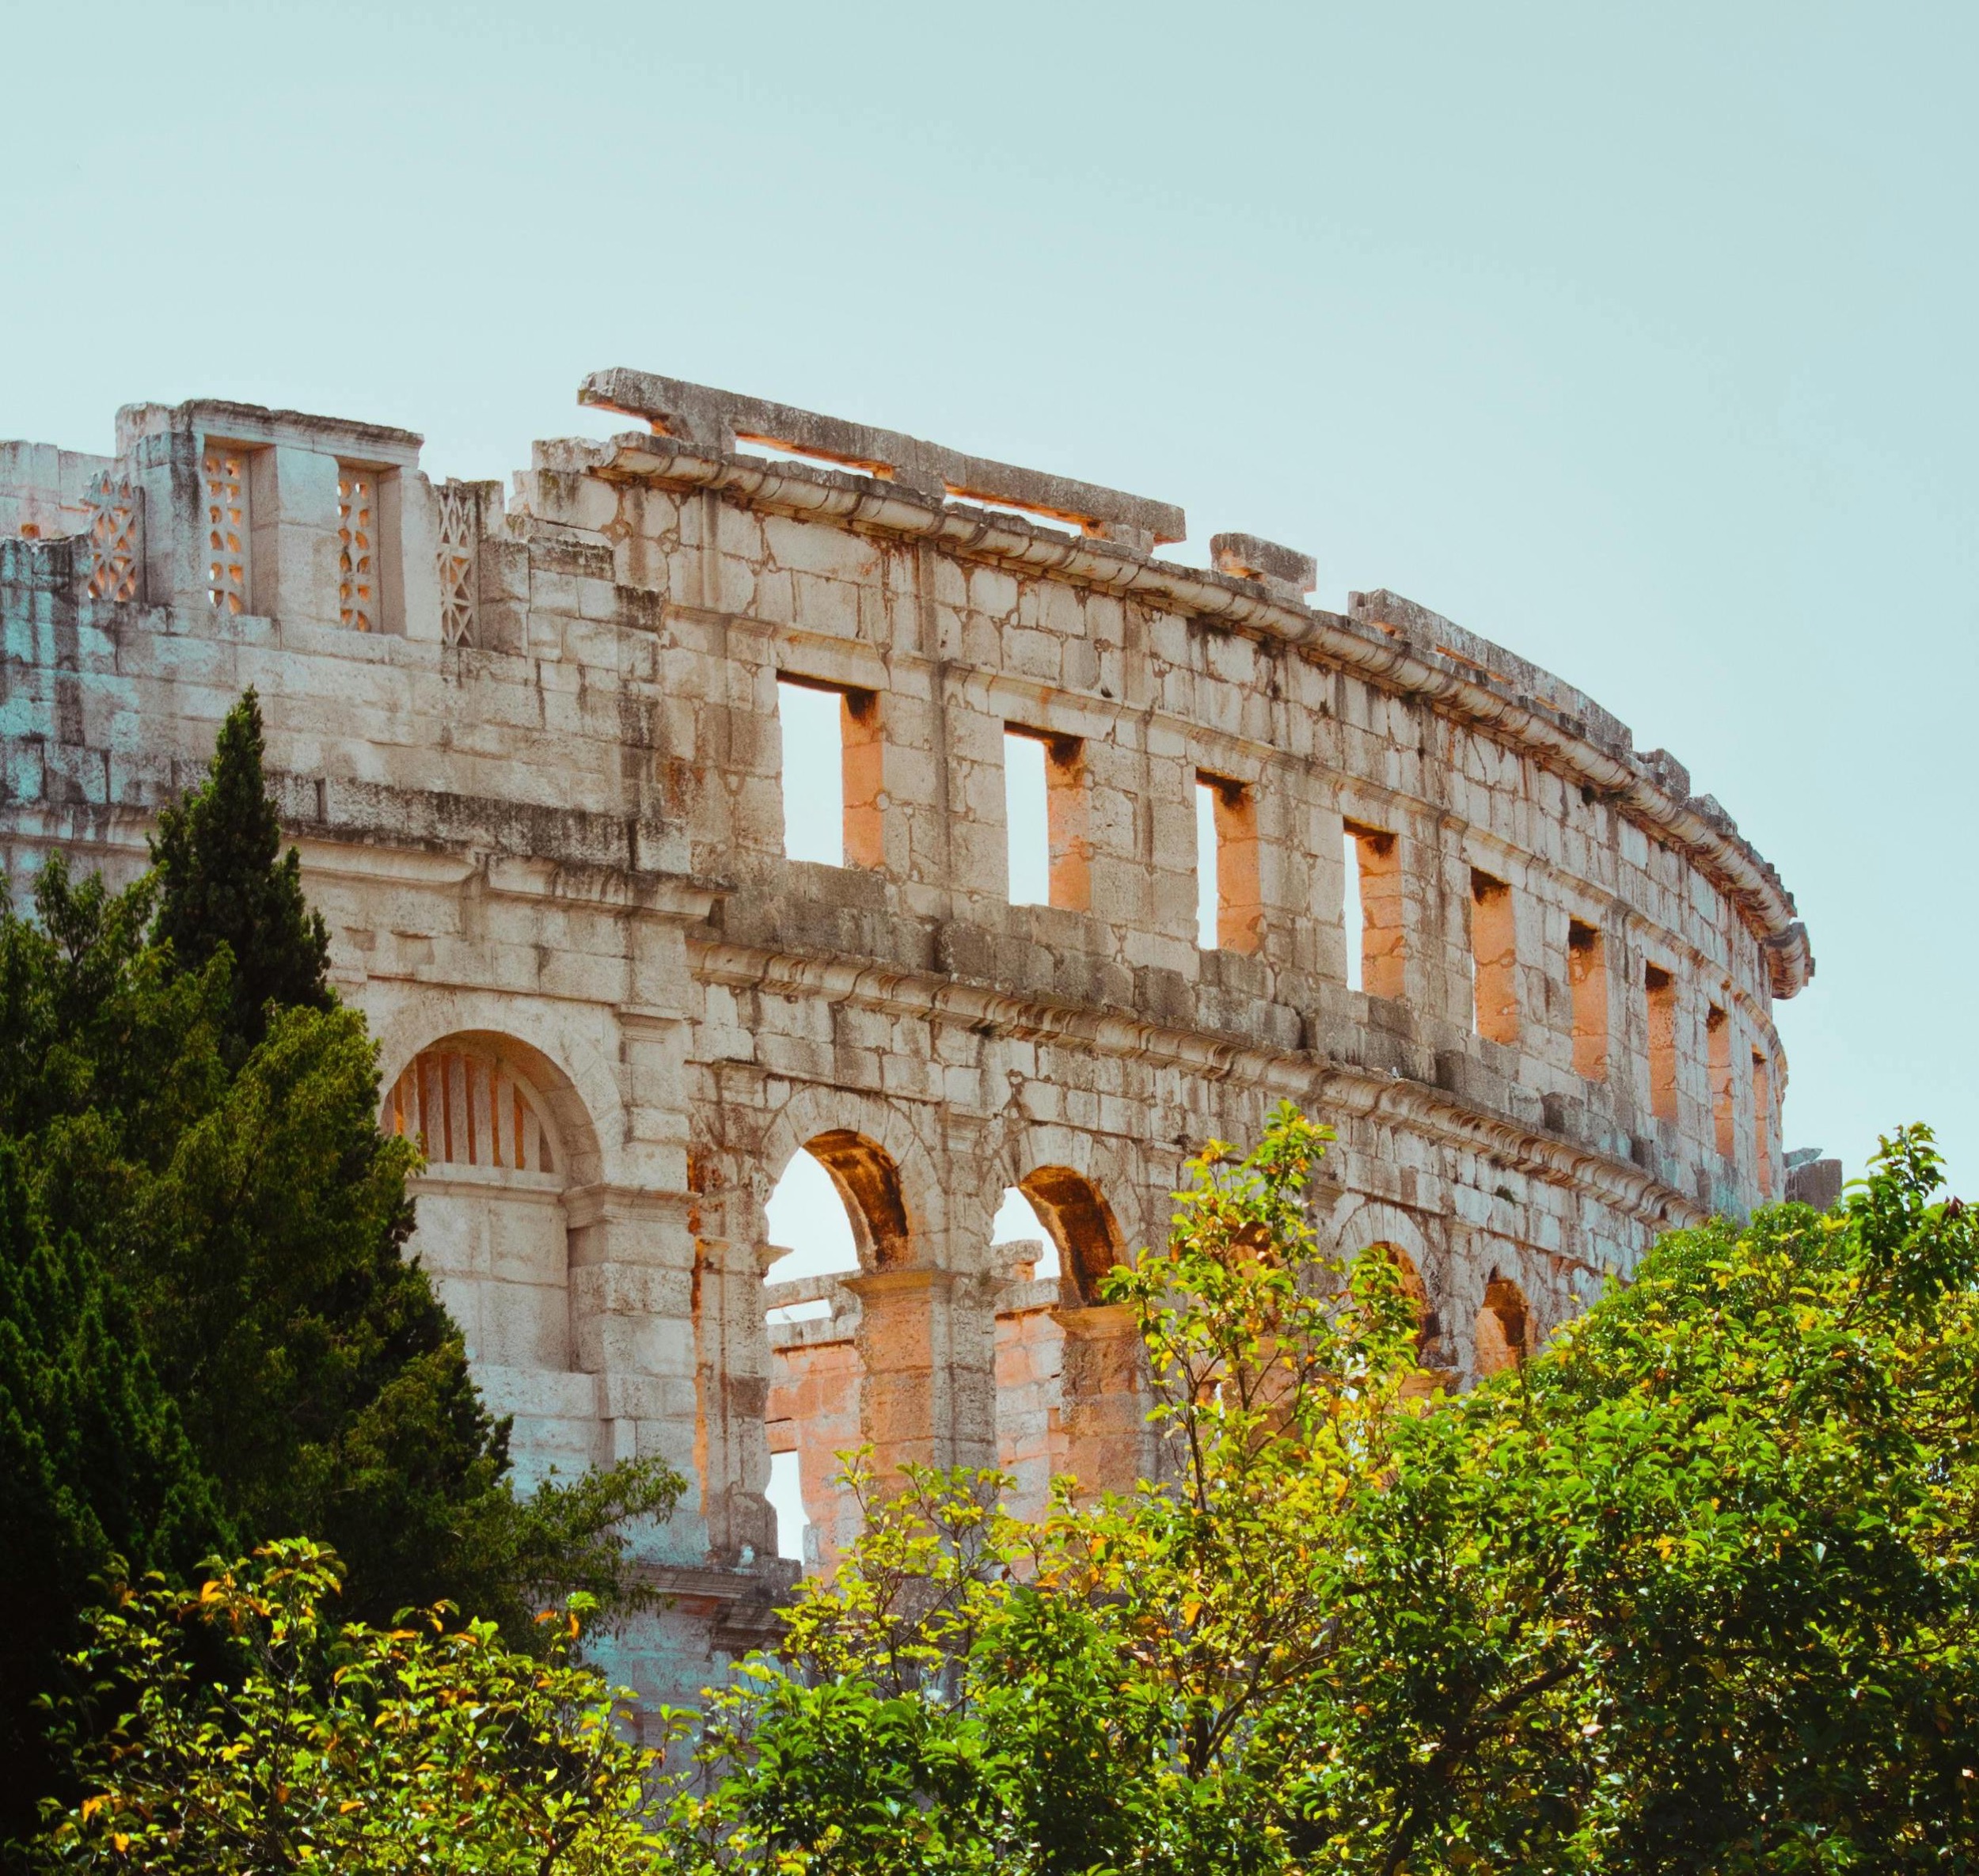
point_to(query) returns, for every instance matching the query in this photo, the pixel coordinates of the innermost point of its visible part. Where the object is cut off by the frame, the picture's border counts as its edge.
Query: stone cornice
(1324, 1087)
(1582, 747)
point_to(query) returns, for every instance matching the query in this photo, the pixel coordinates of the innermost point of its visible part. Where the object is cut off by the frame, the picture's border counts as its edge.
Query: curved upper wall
(917, 491)
(585, 680)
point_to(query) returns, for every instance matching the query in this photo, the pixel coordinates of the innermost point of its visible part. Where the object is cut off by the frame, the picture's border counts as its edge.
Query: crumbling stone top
(257, 422)
(1247, 558)
(888, 483)
(717, 420)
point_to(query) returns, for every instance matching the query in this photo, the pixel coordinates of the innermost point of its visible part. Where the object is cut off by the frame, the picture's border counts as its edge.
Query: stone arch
(863, 1368)
(868, 1183)
(1081, 1222)
(1390, 1232)
(1504, 1326)
(576, 1083)
(881, 1167)
(503, 1128)
(1072, 1388)
(1109, 1168)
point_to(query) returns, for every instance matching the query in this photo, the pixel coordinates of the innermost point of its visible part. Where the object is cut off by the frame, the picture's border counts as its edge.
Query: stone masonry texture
(528, 743)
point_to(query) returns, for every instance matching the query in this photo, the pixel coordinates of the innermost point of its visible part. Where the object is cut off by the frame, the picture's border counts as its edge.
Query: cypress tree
(225, 880)
(94, 1464)
(210, 1337)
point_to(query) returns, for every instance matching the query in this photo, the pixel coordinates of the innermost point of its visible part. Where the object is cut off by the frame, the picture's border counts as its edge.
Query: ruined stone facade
(529, 746)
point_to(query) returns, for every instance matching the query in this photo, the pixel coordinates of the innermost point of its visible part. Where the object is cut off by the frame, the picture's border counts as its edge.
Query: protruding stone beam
(1286, 571)
(716, 421)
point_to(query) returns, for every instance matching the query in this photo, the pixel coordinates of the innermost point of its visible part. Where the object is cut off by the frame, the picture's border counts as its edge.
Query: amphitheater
(531, 743)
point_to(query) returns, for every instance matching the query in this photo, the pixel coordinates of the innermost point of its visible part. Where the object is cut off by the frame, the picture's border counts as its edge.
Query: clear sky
(1636, 338)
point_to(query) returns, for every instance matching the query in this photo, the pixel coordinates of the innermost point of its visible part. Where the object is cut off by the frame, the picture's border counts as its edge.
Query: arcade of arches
(844, 1308)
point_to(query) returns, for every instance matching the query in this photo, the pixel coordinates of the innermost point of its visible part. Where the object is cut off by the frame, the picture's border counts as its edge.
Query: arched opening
(1504, 1328)
(868, 1185)
(1431, 1359)
(836, 1210)
(1020, 1235)
(1069, 1392)
(1079, 1224)
(494, 1119)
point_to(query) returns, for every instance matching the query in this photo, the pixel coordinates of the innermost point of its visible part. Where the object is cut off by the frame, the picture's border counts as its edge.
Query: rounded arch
(882, 1170)
(1390, 1232)
(1504, 1333)
(1133, 1197)
(480, 1098)
(1081, 1222)
(506, 1135)
(574, 1081)
(868, 1183)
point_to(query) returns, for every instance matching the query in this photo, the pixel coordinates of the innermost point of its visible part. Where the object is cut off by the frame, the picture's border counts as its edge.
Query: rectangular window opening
(1494, 959)
(1762, 1125)
(1587, 974)
(1376, 955)
(1659, 990)
(1027, 819)
(833, 773)
(1045, 803)
(1718, 1050)
(1353, 911)
(1230, 913)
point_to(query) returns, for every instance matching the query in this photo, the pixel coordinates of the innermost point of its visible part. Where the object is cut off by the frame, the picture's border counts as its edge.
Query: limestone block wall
(530, 742)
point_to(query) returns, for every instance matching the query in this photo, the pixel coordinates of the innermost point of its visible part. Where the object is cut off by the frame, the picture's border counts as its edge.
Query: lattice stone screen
(116, 540)
(460, 528)
(226, 515)
(357, 557)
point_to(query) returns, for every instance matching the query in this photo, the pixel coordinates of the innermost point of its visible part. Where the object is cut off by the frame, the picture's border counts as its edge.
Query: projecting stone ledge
(716, 421)
(1289, 573)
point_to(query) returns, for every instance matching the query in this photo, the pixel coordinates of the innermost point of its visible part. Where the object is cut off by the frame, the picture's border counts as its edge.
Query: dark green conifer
(224, 880)
(94, 1464)
(210, 1336)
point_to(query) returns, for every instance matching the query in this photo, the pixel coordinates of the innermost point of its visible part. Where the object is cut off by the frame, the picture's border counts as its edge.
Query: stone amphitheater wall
(529, 742)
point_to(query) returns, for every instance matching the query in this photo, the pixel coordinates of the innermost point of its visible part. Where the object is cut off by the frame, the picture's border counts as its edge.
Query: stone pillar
(927, 1340)
(1100, 1429)
(734, 1376)
(632, 1304)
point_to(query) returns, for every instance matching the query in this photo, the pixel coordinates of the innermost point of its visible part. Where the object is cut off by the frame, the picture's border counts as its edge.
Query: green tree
(1694, 1589)
(93, 1460)
(226, 1212)
(225, 881)
(319, 1745)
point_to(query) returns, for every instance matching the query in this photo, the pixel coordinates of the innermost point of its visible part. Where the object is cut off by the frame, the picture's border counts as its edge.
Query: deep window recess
(1587, 975)
(1718, 1050)
(1372, 870)
(1659, 992)
(1045, 812)
(833, 761)
(1494, 959)
(1229, 914)
(1762, 1125)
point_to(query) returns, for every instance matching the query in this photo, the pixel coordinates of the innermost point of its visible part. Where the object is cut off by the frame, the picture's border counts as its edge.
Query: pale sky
(1636, 339)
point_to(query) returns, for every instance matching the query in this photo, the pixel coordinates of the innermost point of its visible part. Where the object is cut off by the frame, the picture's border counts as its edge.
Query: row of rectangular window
(832, 741)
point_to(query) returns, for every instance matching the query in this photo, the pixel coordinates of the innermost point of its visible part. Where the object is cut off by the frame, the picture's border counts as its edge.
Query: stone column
(1099, 1429)
(927, 1342)
(632, 1304)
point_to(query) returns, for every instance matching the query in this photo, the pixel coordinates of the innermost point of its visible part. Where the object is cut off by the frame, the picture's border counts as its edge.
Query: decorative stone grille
(226, 517)
(470, 1110)
(116, 539)
(460, 530)
(356, 531)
